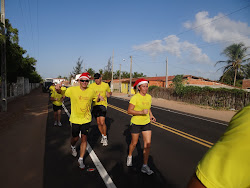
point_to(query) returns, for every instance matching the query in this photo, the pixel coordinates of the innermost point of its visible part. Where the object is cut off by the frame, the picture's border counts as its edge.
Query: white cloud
(219, 28)
(172, 45)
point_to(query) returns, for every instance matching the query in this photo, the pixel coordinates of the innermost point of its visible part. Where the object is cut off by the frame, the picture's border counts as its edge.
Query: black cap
(97, 76)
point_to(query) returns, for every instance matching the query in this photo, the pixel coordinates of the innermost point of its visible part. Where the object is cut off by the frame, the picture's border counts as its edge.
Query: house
(160, 81)
(74, 81)
(246, 84)
(58, 80)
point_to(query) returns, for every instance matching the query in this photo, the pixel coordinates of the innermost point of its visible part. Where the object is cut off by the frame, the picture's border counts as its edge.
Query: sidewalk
(22, 140)
(222, 115)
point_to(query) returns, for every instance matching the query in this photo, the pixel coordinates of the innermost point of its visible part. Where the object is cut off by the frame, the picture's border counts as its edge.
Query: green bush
(214, 97)
(150, 88)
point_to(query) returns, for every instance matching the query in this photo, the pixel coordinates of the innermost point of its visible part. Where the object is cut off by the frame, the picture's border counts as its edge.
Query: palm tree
(237, 57)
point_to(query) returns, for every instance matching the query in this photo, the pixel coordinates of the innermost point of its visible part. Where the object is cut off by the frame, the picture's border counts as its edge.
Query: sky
(190, 34)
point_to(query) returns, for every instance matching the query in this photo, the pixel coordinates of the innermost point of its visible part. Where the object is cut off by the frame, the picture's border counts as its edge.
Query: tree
(91, 72)
(178, 84)
(138, 75)
(17, 64)
(125, 74)
(100, 71)
(107, 75)
(246, 71)
(117, 74)
(229, 78)
(77, 69)
(237, 57)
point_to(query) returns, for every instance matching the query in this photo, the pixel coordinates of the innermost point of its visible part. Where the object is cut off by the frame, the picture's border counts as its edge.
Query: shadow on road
(60, 167)
(133, 174)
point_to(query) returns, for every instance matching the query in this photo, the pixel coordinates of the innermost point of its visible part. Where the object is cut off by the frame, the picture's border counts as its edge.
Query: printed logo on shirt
(86, 111)
(145, 103)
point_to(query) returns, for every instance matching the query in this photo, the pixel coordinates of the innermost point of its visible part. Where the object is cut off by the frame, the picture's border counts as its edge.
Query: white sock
(144, 165)
(129, 156)
(80, 158)
(104, 136)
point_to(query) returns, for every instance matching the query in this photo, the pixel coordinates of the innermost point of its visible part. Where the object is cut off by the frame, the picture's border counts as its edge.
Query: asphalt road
(178, 142)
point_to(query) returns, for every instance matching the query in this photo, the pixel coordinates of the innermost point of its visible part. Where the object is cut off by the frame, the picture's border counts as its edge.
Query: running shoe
(59, 124)
(81, 164)
(55, 123)
(102, 140)
(129, 161)
(105, 142)
(73, 150)
(145, 169)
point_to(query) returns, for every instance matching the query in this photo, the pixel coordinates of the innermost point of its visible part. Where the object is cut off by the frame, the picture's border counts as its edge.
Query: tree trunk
(235, 73)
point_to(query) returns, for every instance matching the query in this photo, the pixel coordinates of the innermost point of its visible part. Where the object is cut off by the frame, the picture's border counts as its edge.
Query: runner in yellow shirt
(52, 88)
(227, 163)
(81, 98)
(140, 108)
(100, 108)
(57, 97)
(63, 88)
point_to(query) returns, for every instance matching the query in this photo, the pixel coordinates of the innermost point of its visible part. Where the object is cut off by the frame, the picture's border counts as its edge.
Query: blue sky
(191, 34)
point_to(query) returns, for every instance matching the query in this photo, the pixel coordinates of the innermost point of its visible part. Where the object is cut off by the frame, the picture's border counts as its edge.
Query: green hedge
(214, 97)
(150, 88)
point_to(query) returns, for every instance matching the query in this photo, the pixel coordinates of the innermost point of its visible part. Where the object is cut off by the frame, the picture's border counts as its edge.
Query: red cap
(85, 75)
(140, 82)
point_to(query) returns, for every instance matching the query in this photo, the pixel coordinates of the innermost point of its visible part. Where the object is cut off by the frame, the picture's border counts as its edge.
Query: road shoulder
(22, 141)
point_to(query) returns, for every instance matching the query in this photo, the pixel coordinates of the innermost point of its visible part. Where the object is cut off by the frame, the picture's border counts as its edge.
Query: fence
(20, 88)
(228, 99)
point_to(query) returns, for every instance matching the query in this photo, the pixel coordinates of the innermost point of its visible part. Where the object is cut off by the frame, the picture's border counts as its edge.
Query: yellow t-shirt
(141, 102)
(227, 163)
(80, 104)
(63, 89)
(55, 95)
(52, 88)
(101, 89)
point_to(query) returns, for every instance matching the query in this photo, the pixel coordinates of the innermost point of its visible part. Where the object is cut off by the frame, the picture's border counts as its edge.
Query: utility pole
(130, 81)
(120, 88)
(3, 60)
(167, 72)
(112, 84)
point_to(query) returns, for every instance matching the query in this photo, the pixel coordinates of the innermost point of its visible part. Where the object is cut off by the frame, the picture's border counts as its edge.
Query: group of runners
(226, 164)
(94, 96)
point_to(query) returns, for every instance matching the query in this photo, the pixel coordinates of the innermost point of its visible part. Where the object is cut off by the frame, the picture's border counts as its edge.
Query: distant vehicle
(46, 84)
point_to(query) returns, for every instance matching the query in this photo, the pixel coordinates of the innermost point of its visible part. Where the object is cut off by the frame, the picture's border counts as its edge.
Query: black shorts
(56, 108)
(99, 110)
(77, 128)
(139, 128)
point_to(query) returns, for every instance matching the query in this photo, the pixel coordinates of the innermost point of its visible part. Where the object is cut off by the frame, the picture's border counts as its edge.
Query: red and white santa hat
(140, 82)
(85, 75)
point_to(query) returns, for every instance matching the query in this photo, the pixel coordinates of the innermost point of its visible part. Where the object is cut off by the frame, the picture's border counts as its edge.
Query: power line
(31, 26)
(37, 29)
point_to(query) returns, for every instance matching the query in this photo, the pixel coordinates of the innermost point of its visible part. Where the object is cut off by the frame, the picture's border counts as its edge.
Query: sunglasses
(84, 81)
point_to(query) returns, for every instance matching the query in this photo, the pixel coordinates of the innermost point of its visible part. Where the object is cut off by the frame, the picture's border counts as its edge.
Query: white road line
(103, 173)
(65, 109)
(179, 113)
